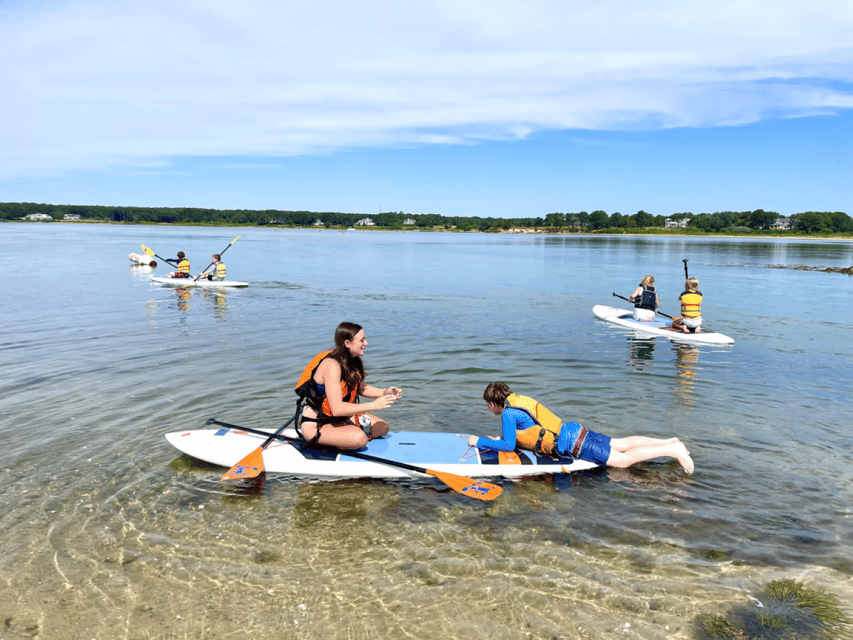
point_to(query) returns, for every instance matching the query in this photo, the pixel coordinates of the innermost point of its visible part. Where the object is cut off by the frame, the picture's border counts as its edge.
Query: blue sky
(481, 107)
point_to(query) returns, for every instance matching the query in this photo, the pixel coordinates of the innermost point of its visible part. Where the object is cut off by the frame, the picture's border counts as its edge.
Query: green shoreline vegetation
(721, 223)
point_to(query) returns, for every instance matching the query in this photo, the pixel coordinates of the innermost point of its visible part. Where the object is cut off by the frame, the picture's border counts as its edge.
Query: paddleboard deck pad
(625, 319)
(443, 452)
(201, 282)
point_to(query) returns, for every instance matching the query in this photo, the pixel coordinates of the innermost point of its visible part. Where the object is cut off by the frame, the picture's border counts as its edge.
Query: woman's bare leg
(340, 436)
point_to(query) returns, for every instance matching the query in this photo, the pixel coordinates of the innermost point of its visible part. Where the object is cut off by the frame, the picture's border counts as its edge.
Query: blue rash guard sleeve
(511, 421)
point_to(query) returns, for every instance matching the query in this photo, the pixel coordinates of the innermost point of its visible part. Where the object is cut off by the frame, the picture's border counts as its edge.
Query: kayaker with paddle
(183, 266)
(645, 300)
(218, 270)
(527, 424)
(330, 387)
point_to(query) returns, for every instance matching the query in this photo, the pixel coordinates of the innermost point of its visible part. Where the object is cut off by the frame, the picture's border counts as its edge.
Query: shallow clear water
(109, 533)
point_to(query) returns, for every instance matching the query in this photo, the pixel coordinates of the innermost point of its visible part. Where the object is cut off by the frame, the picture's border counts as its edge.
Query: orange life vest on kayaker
(541, 438)
(315, 397)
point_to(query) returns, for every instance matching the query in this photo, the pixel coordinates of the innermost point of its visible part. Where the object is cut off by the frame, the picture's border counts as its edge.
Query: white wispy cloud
(98, 84)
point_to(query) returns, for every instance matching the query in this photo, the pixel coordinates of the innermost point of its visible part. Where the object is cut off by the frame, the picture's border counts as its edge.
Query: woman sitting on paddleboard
(330, 387)
(526, 424)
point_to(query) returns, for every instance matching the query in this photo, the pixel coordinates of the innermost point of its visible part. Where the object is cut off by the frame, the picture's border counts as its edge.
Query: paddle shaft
(220, 255)
(626, 300)
(354, 454)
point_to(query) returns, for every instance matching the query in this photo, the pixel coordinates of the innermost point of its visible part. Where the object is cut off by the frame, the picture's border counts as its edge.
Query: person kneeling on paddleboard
(218, 270)
(691, 308)
(183, 266)
(645, 300)
(330, 387)
(527, 424)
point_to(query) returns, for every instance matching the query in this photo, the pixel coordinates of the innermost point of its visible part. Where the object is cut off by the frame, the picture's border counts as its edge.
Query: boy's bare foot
(683, 457)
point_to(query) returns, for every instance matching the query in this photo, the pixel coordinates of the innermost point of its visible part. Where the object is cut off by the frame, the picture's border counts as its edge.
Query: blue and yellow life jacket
(541, 438)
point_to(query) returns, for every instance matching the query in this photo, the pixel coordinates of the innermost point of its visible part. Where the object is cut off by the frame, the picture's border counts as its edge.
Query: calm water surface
(109, 533)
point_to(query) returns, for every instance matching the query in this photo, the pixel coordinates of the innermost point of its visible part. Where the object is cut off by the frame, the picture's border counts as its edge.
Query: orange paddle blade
(249, 467)
(468, 486)
(508, 457)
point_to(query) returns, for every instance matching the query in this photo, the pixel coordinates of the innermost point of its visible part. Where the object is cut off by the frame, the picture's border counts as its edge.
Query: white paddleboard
(201, 282)
(625, 319)
(443, 452)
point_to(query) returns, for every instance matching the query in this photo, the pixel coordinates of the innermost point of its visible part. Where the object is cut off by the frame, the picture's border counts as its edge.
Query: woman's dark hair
(497, 393)
(352, 368)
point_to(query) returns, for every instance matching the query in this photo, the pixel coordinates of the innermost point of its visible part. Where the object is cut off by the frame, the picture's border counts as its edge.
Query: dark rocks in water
(800, 267)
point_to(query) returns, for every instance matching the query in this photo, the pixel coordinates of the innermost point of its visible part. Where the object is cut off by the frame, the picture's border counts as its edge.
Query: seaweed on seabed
(784, 610)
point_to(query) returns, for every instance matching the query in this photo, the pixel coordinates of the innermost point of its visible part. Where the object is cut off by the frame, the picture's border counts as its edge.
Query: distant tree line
(596, 221)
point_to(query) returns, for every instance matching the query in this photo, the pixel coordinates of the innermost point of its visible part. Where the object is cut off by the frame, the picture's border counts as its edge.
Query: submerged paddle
(252, 465)
(220, 254)
(151, 253)
(626, 300)
(461, 484)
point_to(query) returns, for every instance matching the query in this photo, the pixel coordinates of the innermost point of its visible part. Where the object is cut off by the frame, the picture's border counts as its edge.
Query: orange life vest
(541, 438)
(315, 397)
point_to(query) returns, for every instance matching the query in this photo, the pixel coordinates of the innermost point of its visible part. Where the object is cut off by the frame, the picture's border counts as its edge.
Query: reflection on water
(687, 357)
(641, 348)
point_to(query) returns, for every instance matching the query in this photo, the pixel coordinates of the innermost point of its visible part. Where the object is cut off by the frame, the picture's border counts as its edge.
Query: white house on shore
(781, 223)
(37, 216)
(669, 223)
(365, 222)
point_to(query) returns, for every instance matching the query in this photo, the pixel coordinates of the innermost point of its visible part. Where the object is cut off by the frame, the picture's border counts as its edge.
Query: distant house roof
(365, 222)
(682, 224)
(37, 216)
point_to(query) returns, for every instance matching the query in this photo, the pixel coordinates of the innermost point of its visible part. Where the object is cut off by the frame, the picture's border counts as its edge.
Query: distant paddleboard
(147, 261)
(201, 282)
(625, 319)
